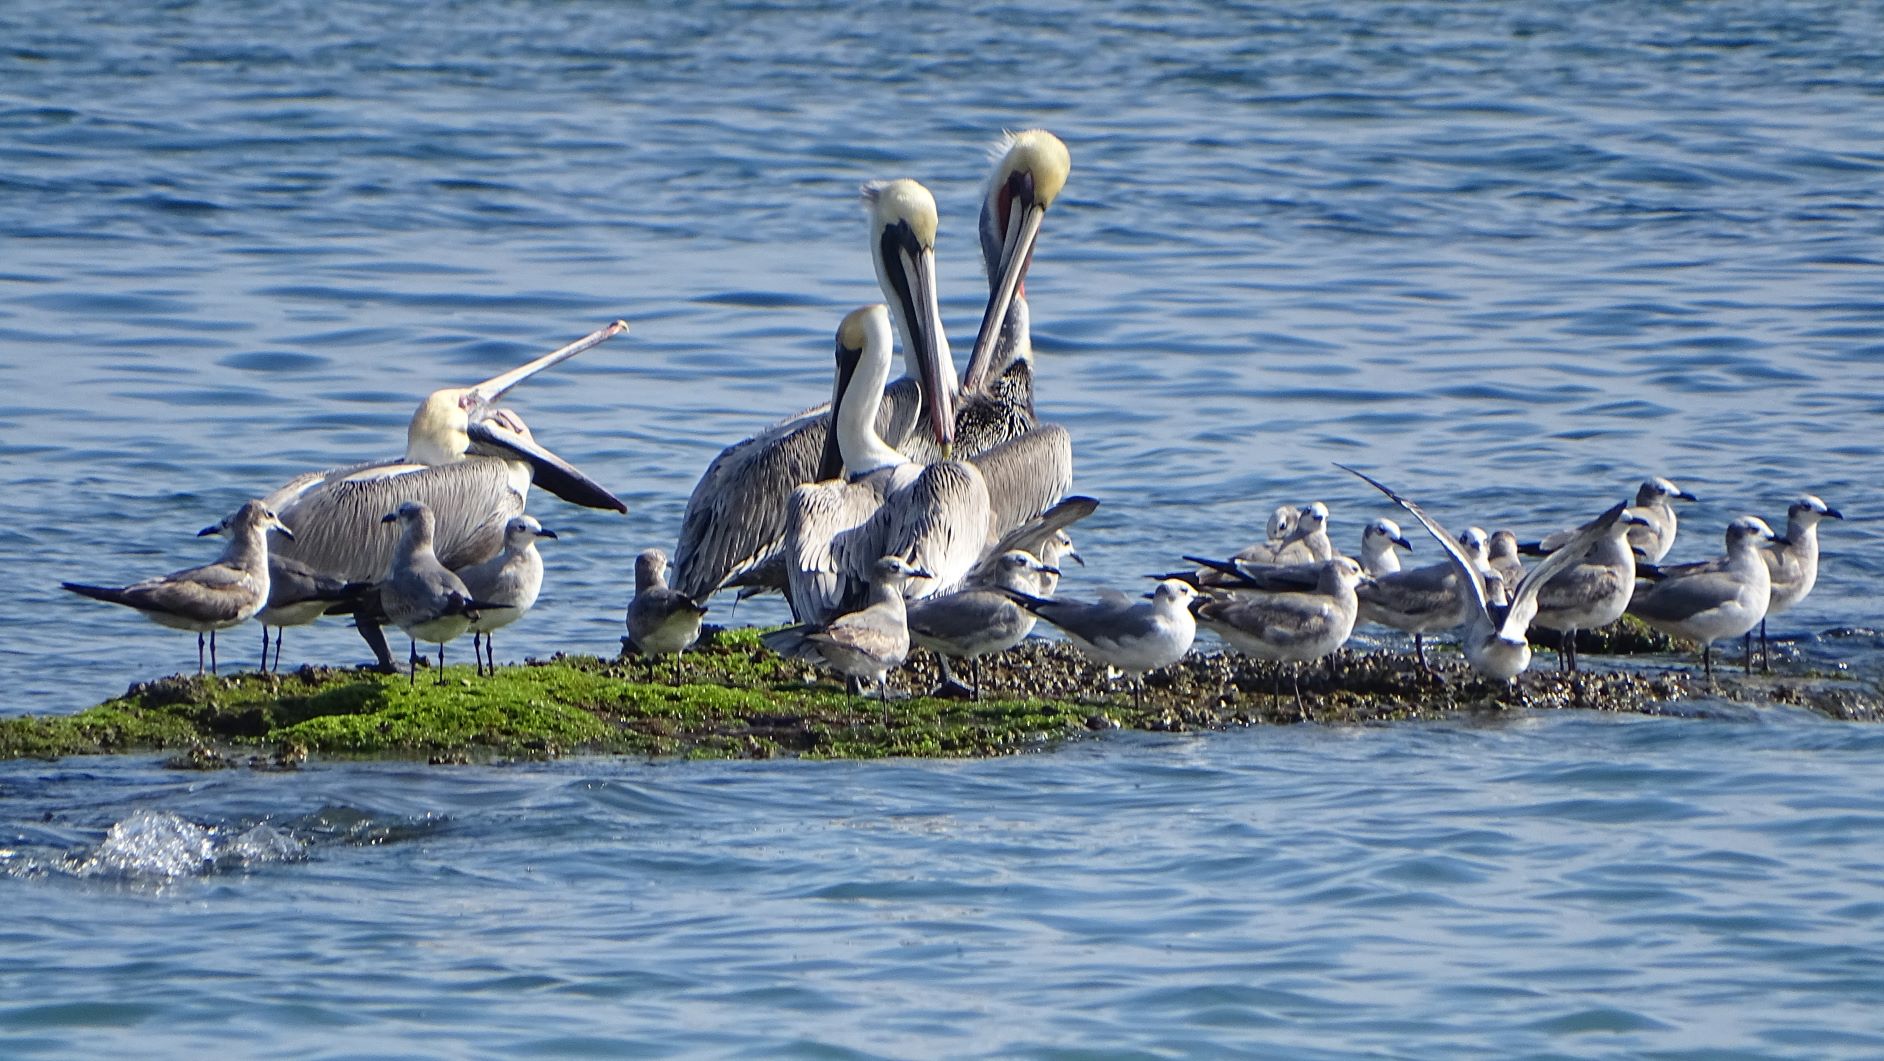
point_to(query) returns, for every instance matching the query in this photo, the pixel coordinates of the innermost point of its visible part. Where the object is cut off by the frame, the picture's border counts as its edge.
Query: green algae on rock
(735, 700)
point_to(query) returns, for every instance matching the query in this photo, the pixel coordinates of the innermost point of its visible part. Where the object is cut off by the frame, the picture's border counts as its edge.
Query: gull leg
(199, 652)
(212, 652)
(441, 663)
(264, 650)
(412, 665)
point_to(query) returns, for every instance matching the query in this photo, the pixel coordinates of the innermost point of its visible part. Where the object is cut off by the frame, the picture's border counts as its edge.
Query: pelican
(297, 594)
(735, 518)
(212, 597)
(1793, 561)
(661, 621)
(471, 464)
(1496, 642)
(510, 581)
(734, 527)
(1706, 601)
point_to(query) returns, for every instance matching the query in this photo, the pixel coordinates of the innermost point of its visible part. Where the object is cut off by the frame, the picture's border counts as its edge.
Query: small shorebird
(212, 597)
(513, 578)
(661, 621)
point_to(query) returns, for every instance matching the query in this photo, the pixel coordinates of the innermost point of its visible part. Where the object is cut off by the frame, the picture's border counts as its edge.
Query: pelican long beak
(1017, 252)
(547, 470)
(492, 389)
(924, 313)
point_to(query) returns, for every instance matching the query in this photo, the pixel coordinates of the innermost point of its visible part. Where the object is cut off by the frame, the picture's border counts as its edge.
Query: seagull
(980, 618)
(1502, 554)
(1119, 632)
(1654, 537)
(1712, 599)
(1591, 593)
(864, 644)
(514, 577)
(297, 594)
(1424, 600)
(211, 597)
(1793, 561)
(421, 596)
(1496, 642)
(661, 621)
(1378, 540)
(1289, 627)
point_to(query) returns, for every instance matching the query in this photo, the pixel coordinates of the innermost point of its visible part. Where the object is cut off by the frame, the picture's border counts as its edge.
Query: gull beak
(390, 517)
(482, 394)
(1048, 569)
(1017, 253)
(1779, 539)
(1833, 513)
(280, 528)
(1683, 495)
(1404, 544)
(547, 470)
(214, 528)
(919, 572)
(545, 533)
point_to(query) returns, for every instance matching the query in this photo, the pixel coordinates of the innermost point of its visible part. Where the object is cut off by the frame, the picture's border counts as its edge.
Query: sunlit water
(1510, 257)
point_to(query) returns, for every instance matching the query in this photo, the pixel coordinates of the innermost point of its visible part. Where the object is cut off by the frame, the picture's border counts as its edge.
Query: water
(1512, 258)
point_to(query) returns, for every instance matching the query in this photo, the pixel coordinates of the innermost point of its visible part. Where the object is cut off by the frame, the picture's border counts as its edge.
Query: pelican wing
(818, 516)
(1031, 535)
(939, 521)
(338, 528)
(1027, 475)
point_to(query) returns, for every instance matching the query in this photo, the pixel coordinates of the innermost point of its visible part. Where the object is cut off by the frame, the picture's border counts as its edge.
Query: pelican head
(902, 243)
(1030, 170)
(456, 421)
(251, 514)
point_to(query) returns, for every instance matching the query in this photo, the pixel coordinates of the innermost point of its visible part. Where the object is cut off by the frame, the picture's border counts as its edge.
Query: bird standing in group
(1793, 561)
(1706, 601)
(1655, 535)
(1591, 593)
(1289, 626)
(1127, 635)
(215, 596)
(662, 621)
(979, 618)
(863, 645)
(421, 595)
(513, 578)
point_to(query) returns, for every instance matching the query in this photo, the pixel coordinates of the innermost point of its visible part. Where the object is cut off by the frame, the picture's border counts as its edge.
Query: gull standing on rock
(512, 579)
(1495, 642)
(1793, 561)
(1655, 535)
(1591, 593)
(1706, 601)
(980, 617)
(1502, 555)
(297, 594)
(864, 645)
(212, 597)
(1131, 636)
(421, 596)
(1425, 600)
(1289, 627)
(661, 621)
(1378, 541)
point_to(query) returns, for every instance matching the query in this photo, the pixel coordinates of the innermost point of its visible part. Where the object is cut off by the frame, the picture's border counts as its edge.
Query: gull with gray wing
(1712, 599)
(1131, 636)
(511, 581)
(421, 595)
(662, 621)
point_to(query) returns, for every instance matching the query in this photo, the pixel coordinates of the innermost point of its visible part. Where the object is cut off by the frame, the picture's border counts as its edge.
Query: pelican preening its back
(734, 525)
(215, 596)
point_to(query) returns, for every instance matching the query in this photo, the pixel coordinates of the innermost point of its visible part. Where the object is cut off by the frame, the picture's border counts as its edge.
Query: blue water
(1511, 257)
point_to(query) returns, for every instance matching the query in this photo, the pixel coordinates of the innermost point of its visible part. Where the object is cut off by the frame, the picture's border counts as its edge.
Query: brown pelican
(735, 518)
(734, 525)
(419, 594)
(470, 463)
(510, 581)
(1495, 642)
(1706, 601)
(211, 597)
(661, 621)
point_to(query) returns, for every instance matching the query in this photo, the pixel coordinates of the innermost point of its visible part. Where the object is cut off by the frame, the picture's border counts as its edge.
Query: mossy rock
(733, 699)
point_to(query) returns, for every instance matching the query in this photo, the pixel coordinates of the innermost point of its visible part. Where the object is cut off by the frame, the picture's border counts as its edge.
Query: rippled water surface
(1513, 257)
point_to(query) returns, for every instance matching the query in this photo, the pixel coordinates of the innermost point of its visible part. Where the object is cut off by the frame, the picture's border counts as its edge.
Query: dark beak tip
(285, 533)
(207, 531)
(390, 517)
(546, 533)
